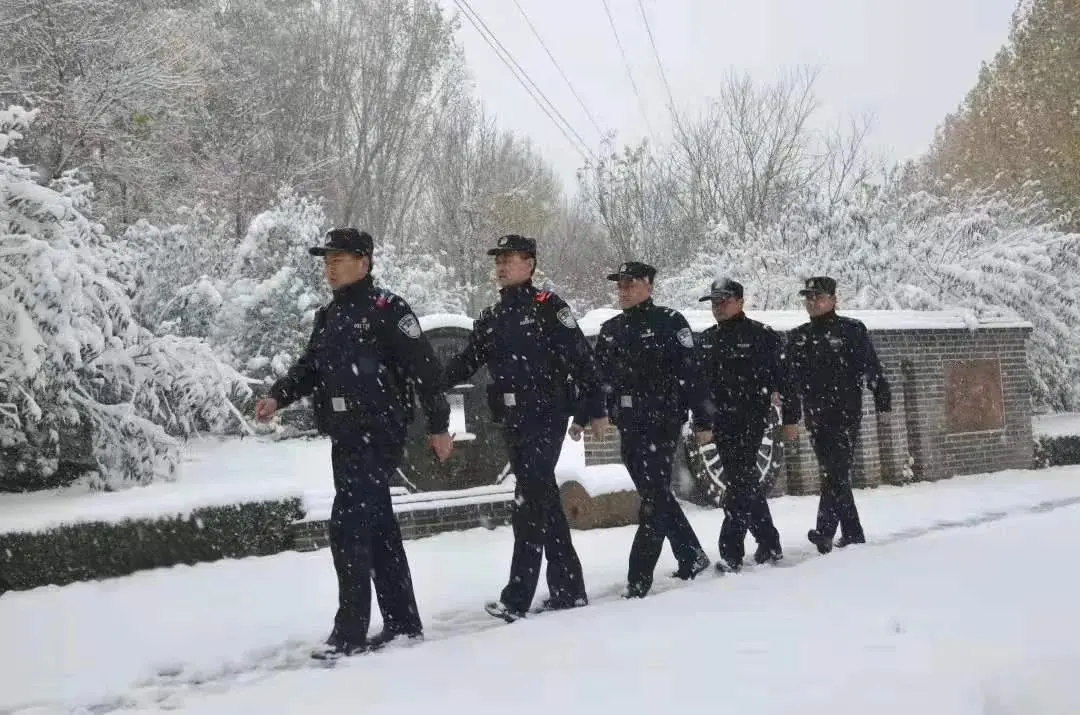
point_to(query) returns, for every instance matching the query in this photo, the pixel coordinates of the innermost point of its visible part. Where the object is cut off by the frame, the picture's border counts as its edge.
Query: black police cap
(819, 284)
(633, 269)
(723, 288)
(348, 240)
(513, 243)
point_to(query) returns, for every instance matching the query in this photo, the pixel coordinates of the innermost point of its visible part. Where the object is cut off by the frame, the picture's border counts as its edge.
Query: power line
(656, 54)
(626, 63)
(672, 109)
(522, 77)
(543, 44)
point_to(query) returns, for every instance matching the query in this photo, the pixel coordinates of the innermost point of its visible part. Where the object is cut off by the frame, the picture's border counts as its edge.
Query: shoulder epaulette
(384, 299)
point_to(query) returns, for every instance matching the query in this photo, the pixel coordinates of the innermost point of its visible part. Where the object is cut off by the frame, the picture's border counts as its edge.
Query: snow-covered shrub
(71, 350)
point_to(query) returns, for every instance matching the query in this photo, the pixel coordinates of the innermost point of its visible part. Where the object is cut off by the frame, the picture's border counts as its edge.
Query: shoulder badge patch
(686, 338)
(566, 317)
(409, 326)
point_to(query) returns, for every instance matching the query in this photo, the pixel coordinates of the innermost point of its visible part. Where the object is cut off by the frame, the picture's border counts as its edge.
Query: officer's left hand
(442, 445)
(703, 436)
(599, 427)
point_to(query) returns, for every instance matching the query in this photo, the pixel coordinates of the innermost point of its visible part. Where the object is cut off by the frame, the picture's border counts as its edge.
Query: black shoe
(635, 592)
(768, 554)
(823, 543)
(386, 636)
(498, 609)
(844, 540)
(690, 571)
(335, 648)
(724, 565)
(561, 604)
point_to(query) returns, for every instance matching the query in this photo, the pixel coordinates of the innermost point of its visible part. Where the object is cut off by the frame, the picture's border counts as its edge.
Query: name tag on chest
(337, 404)
(626, 401)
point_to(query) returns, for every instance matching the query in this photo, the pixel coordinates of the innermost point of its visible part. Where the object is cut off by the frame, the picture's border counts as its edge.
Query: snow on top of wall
(784, 320)
(445, 320)
(1059, 424)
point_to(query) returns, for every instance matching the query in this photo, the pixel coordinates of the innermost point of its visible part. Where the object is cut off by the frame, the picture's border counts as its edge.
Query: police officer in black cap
(741, 361)
(537, 358)
(647, 364)
(366, 356)
(828, 361)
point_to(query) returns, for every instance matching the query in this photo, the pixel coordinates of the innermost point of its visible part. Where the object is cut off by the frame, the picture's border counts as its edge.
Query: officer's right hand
(575, 431)
(442, 445)
(265, 409)
(791, 433)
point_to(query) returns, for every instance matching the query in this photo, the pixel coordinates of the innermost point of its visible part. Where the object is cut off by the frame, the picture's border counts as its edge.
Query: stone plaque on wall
(974, 401)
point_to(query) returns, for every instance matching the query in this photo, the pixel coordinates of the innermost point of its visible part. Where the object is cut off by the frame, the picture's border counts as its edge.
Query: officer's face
(632, 291)
(344, 268)
(726, 308)
(818, 304)
(513, 268)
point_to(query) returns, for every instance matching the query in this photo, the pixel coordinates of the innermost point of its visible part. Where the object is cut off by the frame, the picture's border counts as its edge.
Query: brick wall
(961, 405)
(418, 520)
(602, 449)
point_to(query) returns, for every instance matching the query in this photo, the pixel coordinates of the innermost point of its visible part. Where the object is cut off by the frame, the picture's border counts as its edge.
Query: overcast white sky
(909, 62)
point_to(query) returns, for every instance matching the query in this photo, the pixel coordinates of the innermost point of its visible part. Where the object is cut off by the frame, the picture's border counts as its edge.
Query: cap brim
(614, 276)
(714, 296)
(805, 292)
(324, 250)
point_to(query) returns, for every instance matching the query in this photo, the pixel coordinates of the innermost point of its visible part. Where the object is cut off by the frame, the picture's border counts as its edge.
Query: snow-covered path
(960, 584)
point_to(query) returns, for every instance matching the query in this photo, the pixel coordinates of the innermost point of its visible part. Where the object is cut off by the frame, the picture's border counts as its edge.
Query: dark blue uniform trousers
(746, 507)
(649, 456)
(538, 520)
(365, 541)
(834, 445)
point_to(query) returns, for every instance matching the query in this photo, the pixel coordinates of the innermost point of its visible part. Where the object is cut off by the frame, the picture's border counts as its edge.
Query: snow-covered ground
(963, 602)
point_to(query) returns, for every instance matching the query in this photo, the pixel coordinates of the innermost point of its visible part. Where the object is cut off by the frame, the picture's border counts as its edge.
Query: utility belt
(501, 401)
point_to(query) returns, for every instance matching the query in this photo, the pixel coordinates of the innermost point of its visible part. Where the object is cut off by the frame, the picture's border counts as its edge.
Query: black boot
(690, 571)
(823, 543)
(768, 554)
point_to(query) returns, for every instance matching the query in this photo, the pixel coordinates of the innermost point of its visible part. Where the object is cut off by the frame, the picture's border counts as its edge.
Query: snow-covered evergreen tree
(71, 350)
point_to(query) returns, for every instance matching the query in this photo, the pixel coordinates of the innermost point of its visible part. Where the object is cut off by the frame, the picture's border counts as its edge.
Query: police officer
(646, 360)
(741, 361)
(365, 354)
(531, 343)
(828, 359)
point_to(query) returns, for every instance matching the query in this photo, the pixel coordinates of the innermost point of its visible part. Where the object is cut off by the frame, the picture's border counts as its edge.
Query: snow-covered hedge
(71, 350)
(96, 550)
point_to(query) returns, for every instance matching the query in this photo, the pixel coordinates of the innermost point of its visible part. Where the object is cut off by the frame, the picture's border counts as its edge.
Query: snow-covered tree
(71, 350)
(981, 252)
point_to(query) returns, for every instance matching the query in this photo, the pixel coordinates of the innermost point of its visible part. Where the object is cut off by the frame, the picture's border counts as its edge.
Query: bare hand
(791, 433)
(600, 426)
(442, 445)
(265, 409)
(703, 437)
(575, 431)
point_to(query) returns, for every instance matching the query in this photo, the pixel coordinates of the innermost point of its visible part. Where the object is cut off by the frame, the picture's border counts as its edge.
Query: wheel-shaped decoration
(707, 472)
